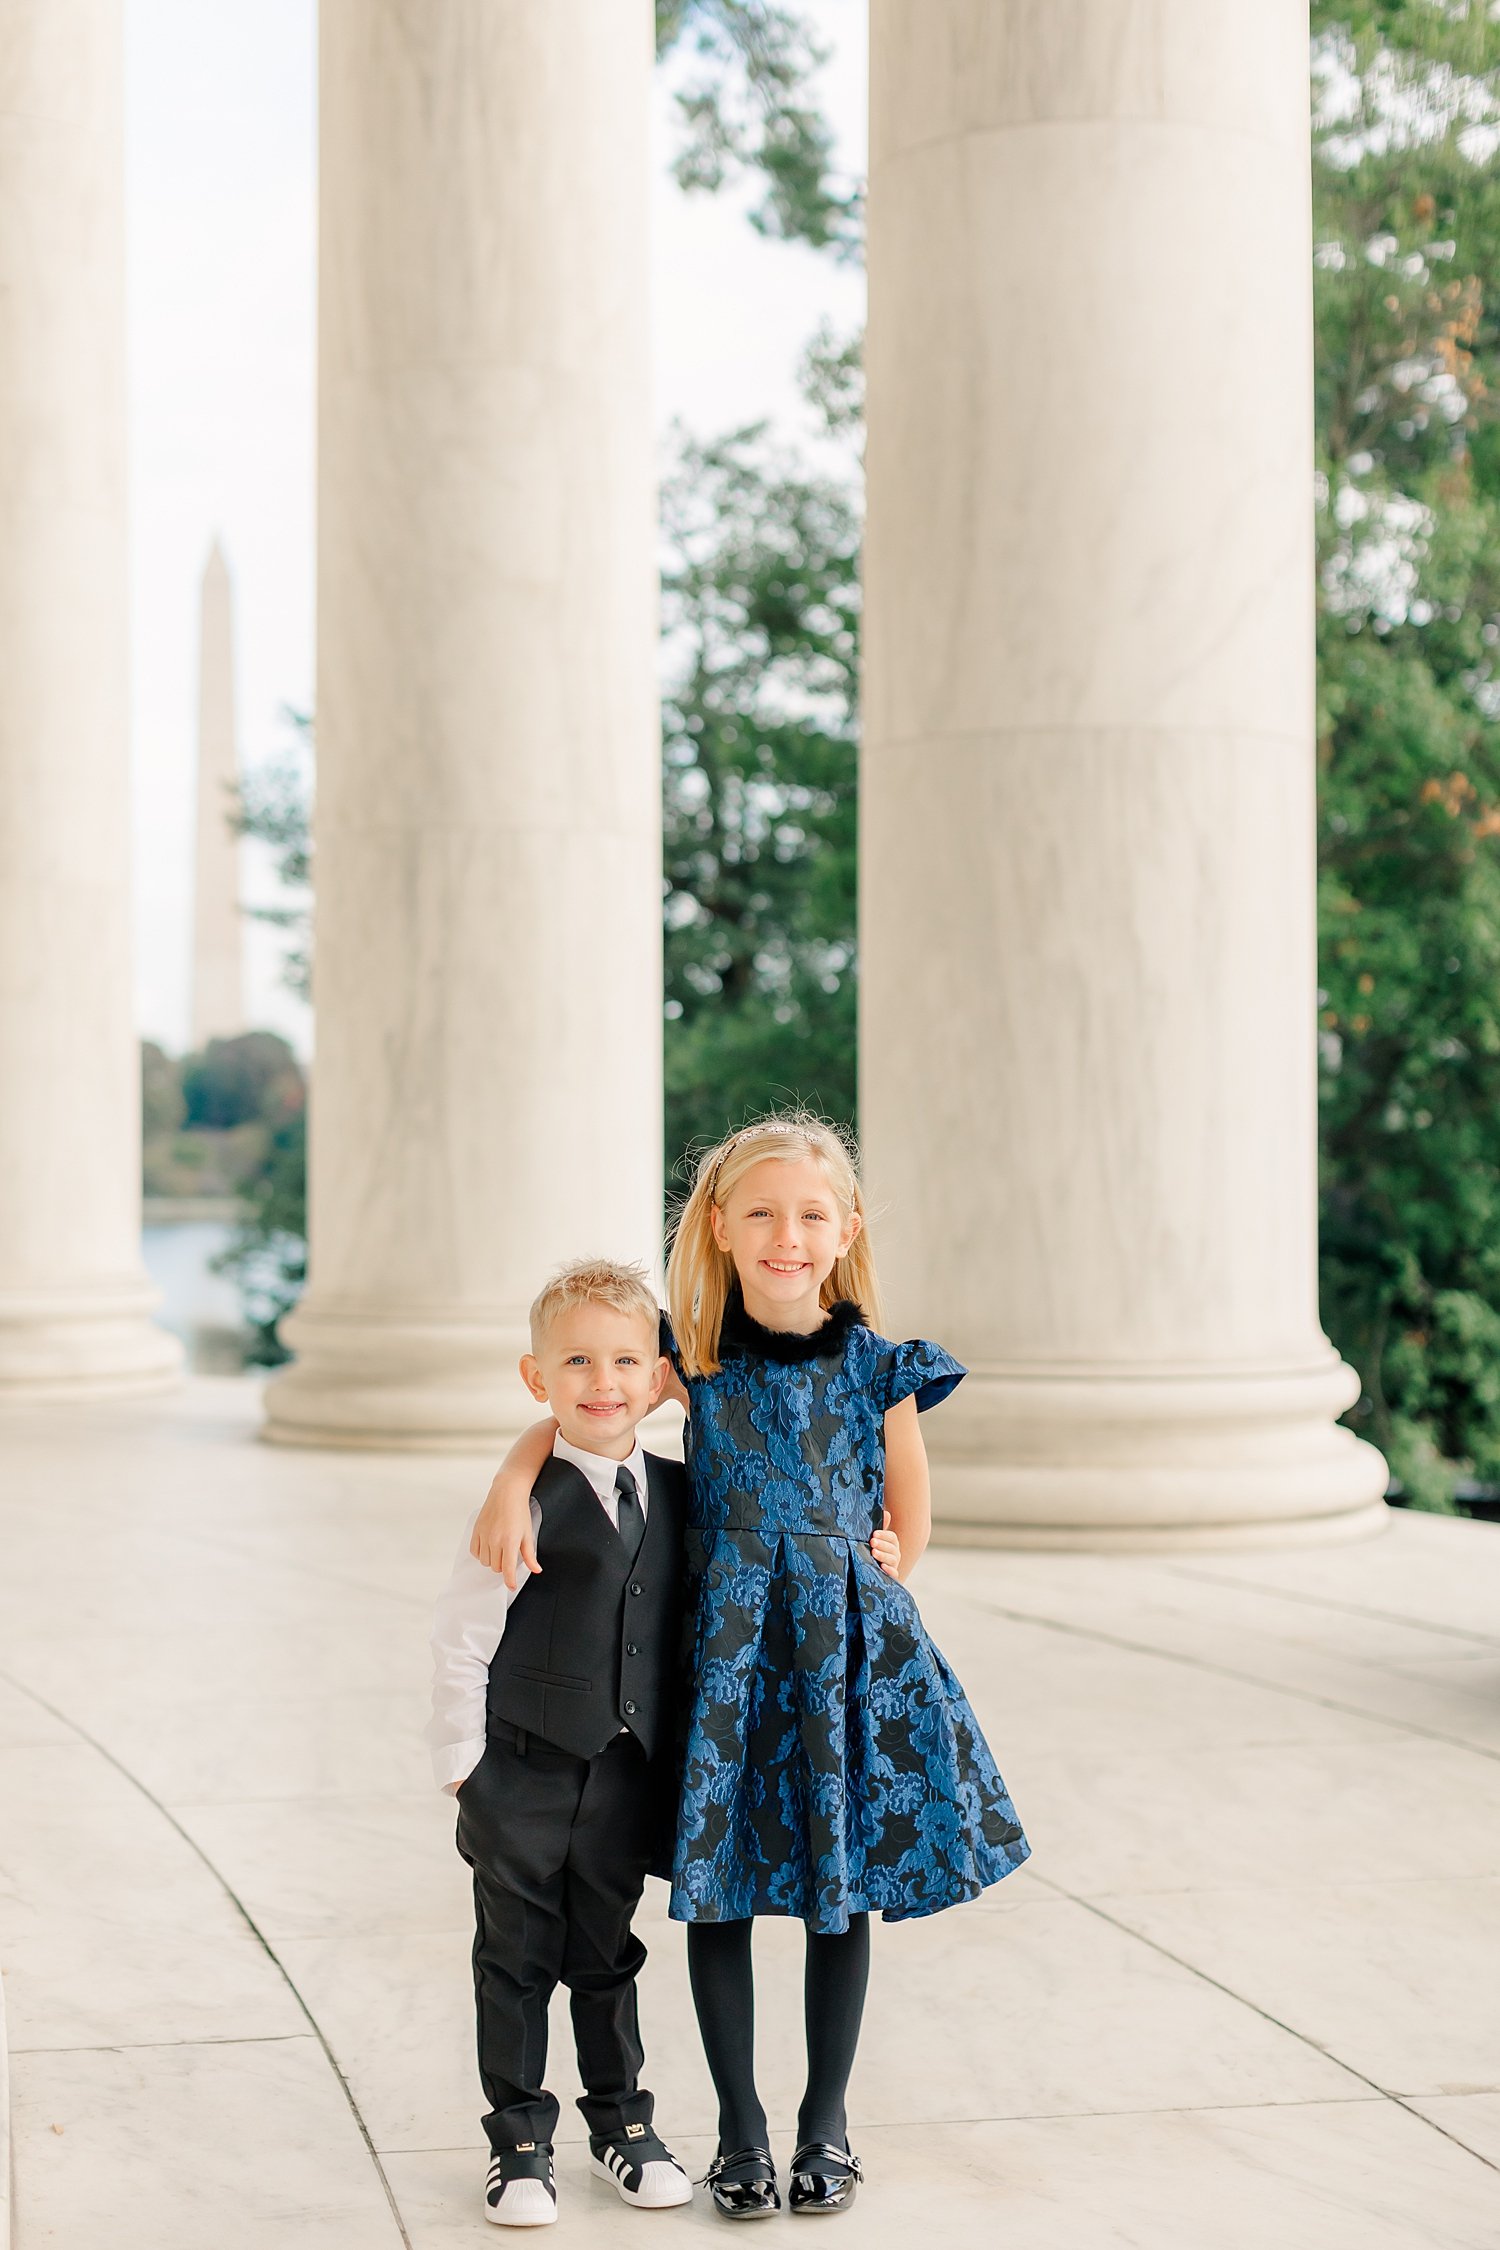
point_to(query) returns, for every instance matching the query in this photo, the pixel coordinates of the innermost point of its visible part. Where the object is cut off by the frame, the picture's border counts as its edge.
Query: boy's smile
(600, 1372)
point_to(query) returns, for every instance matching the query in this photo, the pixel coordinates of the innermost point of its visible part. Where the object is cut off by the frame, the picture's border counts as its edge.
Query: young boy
(552, 1724)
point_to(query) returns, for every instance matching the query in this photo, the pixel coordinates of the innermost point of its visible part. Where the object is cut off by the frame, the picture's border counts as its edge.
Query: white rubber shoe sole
(524, 2203)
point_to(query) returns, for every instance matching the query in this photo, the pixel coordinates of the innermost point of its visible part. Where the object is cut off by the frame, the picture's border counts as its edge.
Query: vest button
(631, 1649)
(629, 1710)
(637, 1587)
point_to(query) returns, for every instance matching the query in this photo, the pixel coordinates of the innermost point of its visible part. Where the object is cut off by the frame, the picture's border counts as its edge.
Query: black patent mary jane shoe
(812, 2193)
(752, 2193)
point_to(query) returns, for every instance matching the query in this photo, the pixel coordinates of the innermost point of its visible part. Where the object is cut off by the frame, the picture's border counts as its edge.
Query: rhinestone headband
(747, 1133)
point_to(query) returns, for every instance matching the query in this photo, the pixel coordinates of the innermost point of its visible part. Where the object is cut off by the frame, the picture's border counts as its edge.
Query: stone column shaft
(1088, 790)
(74, 1298)
(486, 1092)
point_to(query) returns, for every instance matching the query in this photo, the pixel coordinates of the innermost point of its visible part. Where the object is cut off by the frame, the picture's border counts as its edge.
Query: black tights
(838, 1970)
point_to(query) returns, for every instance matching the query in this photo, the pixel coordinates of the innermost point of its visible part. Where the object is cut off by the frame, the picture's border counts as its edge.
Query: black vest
(590, 1645)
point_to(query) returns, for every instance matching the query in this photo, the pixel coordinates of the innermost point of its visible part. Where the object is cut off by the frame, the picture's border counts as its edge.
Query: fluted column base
(445, 1383)
(1166, 1458)
(84, 1343)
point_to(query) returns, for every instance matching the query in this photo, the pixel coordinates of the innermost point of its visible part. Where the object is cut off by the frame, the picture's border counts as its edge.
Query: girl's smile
(783, 1227)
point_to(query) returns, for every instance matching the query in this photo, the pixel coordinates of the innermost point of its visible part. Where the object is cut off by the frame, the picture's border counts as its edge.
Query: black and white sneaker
(520, 2190)
(640, 2168)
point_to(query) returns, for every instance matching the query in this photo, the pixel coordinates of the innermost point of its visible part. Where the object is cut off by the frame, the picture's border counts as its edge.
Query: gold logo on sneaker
(635, 2132)
(525, 2147)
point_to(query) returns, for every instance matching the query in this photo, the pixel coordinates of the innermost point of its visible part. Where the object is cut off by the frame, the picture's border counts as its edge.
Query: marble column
(218, 920)
(1089, 1093)
(74, 1298)
(486, 1092)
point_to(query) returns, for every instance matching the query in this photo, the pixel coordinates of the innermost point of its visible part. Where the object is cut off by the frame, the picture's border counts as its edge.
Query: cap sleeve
(916, 1369)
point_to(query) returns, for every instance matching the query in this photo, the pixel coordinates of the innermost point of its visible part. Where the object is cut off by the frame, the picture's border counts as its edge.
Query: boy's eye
(576, 1359)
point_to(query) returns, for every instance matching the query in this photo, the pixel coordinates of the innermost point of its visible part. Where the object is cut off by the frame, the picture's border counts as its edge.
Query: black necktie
(629, 1513)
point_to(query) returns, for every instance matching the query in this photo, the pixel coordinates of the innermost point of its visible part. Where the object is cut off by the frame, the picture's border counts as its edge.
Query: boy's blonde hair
(700, 1274)
(595, 1281)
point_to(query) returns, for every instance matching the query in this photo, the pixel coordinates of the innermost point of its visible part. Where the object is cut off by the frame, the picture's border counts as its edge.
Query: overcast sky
(220, 205)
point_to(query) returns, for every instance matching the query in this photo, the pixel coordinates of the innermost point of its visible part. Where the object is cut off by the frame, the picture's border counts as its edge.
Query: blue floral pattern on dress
(832, 1765)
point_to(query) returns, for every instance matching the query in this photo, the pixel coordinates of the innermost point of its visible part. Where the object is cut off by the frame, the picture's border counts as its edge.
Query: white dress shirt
(469, 1622)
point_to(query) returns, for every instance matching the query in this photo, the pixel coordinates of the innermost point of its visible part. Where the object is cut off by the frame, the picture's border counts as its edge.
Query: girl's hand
(503, 1537)
(886, 1547)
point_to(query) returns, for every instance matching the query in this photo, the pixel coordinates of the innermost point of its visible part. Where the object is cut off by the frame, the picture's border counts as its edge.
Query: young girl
(832, 1765)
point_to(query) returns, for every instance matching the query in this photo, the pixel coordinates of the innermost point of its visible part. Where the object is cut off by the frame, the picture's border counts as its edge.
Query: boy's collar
(599, 1468)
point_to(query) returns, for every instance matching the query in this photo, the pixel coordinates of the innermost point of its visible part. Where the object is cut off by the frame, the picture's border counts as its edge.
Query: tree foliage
(267, 1256)
(251, 1078)
(163, 1110)
(274, 806)
(749, 107)
(208, 1118)
(1407, 283)
(761, 607)
(1457, 35)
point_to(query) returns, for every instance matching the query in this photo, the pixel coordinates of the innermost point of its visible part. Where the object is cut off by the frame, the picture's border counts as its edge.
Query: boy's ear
(658, 1380)
(531, 1376)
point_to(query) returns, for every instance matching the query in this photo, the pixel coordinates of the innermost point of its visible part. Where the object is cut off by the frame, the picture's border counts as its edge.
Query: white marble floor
(1242, 1996)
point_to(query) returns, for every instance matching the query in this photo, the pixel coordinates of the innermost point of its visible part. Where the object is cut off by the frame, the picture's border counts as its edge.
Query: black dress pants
(559, 1847)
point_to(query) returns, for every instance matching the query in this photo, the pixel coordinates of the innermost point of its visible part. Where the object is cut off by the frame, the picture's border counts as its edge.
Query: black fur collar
(742, 1334)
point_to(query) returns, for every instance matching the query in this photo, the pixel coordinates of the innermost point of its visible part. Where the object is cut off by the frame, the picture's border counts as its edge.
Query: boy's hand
(503, 1536)
(886, 1547)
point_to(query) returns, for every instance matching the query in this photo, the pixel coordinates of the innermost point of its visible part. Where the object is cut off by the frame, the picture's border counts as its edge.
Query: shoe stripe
(629, 2172)
(630, 2178)
(495, 2177)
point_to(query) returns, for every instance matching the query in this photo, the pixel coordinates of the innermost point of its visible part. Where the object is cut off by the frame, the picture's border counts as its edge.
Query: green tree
(761, 609)
(274, 805)
(253, 1077)
(1407, 277)
(208, 1119)
(267, 1256)
(749, 107)
(163, 1110)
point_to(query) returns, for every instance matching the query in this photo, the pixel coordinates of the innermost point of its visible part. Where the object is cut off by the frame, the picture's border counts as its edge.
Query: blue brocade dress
(832, 1765)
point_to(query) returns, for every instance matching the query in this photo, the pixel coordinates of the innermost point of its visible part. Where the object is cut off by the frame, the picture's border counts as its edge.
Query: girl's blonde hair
(700, 1274)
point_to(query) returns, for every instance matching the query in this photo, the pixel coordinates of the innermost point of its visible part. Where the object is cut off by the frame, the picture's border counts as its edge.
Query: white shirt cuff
(453, 1762)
